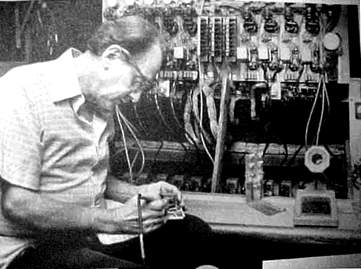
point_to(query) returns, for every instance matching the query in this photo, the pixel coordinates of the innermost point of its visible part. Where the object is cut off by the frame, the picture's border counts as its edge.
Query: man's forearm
(40, 213)
(119, 190)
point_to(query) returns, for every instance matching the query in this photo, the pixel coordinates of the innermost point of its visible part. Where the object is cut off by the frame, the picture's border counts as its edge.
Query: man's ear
(115, 52)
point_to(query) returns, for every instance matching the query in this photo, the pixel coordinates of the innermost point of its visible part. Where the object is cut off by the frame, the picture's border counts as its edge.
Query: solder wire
(141, 228)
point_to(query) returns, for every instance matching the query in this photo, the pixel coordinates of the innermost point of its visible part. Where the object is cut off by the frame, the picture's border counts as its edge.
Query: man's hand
(156, 199)
(125, 218)
(161, 190)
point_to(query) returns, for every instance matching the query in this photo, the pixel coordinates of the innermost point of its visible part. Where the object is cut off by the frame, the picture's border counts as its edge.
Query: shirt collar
(65, 83)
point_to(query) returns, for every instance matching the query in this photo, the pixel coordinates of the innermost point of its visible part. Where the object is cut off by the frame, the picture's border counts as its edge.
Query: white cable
(201, 127)
(322, 111)
(326, 94)
(201, 113)
(128, 125)
(311, 112)
(135, 158)
(141, 152)
(126, 121)
(187, 119)
(125, 144)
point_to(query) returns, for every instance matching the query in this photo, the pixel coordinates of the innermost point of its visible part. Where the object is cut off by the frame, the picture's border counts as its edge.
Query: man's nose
(135, 96)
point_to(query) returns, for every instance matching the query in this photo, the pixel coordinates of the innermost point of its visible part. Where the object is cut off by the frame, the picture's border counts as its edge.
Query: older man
(55, 123)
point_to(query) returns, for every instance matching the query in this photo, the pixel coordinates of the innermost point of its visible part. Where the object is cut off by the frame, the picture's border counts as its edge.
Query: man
(55, 122)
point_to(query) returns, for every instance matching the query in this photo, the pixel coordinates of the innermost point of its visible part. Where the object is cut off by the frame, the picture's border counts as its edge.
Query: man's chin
(103, 110)
(107, 111)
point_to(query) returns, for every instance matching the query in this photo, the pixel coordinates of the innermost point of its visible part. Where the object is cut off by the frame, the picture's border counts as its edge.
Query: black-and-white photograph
(180, 134)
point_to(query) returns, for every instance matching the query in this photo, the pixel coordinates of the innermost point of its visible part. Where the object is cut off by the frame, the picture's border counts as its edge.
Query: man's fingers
(169, 190)
(153, 224)
(157, 205)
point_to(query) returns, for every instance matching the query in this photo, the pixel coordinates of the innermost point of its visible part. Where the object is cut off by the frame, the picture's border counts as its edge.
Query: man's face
(121, 77)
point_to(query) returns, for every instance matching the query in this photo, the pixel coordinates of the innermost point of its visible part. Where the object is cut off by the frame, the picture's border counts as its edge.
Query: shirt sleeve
(20, 136)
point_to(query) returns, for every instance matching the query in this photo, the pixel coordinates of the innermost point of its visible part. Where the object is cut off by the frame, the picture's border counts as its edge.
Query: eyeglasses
(141, 83)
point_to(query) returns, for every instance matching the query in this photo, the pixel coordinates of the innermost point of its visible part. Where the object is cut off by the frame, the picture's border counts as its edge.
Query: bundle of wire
(323, 94)
(202, 132)
(123, 120)
(326, 26)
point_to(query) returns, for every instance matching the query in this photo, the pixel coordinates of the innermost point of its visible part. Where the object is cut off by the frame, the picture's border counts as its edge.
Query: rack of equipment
(242, 79)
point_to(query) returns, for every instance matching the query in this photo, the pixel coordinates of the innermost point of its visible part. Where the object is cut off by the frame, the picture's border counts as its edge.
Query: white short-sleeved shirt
(45, 143)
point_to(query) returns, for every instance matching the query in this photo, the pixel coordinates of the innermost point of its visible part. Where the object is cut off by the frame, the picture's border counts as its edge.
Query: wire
(265, 149)
(327, 99)
(331, 24)
(134, 159)
(125, 145)
(286, 154)
(197, 114)
(185, 132)
(156, 101)
(140, 149)
(311, 113)
(27, 15)
(293, 158)
(129, 123)
(166, 124)
(321, 90)
(171, 101)
(187, 118)
(120, 117)
(201, 124)
(330, 151)
(156, 155)
(140, 123)
(211, 110)
(322, 111)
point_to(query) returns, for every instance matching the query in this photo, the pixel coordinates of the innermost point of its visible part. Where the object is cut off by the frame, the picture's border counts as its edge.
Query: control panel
(285, 69)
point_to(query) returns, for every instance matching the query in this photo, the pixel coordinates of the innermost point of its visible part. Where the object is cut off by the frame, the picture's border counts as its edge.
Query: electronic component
(204, 39)
(315, 208)
(317, 159)
(175, 211)
(254, 175)
(249, 25)
(291, 25)
(312, 20)
(285, 188)
(331, 41)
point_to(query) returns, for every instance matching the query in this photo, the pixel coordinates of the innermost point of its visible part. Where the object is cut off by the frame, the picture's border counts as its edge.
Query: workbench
(229, 213)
